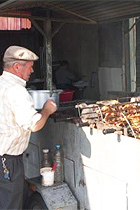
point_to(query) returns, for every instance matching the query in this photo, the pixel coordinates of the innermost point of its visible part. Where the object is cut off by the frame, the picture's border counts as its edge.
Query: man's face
(25, 70)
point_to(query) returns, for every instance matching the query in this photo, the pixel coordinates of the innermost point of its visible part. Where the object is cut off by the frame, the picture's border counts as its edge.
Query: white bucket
(47, 176)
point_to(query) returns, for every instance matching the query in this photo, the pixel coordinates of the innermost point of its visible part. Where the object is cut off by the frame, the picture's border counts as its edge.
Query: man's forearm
(49, 108)
(40, 124)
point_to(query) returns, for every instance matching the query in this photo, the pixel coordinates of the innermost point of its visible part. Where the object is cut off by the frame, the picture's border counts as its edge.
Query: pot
(41, 96)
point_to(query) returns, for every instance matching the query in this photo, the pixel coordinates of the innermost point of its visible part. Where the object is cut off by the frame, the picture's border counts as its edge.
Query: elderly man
(18, 118)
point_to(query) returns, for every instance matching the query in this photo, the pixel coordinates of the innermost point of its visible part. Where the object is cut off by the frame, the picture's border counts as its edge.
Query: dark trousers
(11, 191)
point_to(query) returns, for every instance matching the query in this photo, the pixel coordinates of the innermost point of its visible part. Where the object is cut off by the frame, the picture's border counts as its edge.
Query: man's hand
(50, 107)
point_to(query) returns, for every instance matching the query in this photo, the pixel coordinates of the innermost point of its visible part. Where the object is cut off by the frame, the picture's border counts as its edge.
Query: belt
(11, 156)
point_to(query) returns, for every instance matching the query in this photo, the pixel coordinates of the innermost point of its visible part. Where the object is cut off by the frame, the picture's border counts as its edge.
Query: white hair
(8, 64)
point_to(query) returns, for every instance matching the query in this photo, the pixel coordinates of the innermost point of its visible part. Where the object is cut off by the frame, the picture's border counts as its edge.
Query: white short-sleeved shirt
(17, 115)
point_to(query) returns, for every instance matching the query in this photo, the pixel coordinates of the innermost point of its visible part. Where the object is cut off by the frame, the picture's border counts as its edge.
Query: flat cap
(19, 53)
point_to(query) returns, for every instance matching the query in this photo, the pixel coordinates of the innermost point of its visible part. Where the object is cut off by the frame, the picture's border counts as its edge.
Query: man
(18, 119)
(63, 78)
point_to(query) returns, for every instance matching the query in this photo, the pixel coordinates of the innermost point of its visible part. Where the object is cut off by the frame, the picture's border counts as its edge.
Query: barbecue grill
(113, 116)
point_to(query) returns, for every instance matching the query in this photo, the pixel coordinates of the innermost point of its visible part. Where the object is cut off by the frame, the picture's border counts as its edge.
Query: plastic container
(47, 176)
(66, 95)
(58, 158)
(45, 159)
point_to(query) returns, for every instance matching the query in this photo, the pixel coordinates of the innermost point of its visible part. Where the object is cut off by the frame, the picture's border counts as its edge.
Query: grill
(113, 116)
(68, 112)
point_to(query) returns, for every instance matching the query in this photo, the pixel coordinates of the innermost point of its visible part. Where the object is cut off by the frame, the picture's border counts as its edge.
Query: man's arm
(49, 108)
(70, 75)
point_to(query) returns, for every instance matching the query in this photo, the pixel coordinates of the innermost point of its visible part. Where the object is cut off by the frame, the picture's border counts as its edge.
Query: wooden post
(132, 45)
(123, 74)
(48, 55)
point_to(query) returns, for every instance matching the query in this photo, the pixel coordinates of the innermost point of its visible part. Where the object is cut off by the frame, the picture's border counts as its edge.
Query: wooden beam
(48, 55)
(7, 14)
(132, 45)
(70, 12)
(58, 29)
(73, 21)
(38, 27)
(5, 4)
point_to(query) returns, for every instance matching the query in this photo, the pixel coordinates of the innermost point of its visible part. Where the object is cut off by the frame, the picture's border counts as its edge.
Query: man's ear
(16, 66)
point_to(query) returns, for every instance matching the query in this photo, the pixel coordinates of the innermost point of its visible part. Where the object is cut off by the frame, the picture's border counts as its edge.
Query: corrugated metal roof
(80, 10)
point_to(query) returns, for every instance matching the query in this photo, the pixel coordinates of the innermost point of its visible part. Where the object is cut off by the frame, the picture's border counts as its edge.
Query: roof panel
(89, 11)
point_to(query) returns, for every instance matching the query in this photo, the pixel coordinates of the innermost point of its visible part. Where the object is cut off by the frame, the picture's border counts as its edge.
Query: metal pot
(41, 96)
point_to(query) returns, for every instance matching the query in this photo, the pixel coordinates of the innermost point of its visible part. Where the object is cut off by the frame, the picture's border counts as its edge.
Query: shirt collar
(14, 77)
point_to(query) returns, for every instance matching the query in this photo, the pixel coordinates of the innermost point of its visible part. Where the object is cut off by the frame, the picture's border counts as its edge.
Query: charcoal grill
(113, 116)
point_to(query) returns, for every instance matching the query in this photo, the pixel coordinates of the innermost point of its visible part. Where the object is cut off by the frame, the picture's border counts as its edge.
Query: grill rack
(118, 117)
(94, 115)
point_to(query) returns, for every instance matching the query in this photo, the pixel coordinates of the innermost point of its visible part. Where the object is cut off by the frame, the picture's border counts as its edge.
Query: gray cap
(19, 53)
